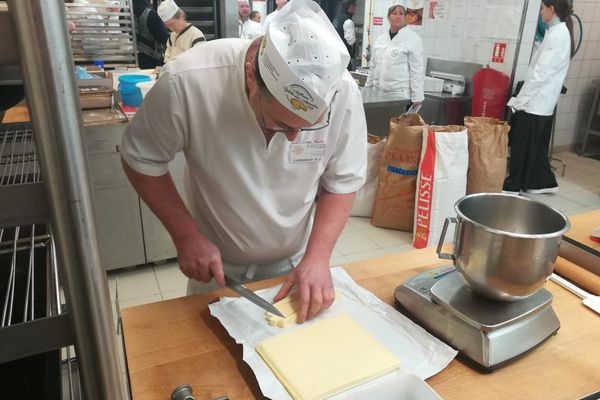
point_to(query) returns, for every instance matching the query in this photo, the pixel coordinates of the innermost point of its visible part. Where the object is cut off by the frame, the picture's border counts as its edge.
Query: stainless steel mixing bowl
(505, 246)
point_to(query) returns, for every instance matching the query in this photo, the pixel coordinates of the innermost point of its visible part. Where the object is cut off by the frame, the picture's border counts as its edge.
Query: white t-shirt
(180, 42)
(254, 201)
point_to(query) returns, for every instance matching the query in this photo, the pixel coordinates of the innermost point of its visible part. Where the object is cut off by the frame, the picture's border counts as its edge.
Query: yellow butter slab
(326, 358)
(289, 307)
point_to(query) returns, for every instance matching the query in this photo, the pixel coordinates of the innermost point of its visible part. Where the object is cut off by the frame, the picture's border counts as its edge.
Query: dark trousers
(147, 62)
(529, 141)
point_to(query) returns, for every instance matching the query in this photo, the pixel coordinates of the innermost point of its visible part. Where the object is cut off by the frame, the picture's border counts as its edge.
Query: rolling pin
(578, 275)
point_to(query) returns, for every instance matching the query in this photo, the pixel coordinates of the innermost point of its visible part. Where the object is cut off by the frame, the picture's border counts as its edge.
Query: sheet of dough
(328, 357)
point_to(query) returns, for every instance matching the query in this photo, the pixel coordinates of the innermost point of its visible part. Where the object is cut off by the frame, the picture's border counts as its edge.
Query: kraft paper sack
(365, 196)
(442, 182)
(395, 200)
(488, 151)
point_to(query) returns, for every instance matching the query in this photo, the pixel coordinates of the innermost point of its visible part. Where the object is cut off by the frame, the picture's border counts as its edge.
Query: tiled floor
(579, 192)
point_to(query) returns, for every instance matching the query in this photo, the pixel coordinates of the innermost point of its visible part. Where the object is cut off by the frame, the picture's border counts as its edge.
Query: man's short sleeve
(157, 131)
(347, 168)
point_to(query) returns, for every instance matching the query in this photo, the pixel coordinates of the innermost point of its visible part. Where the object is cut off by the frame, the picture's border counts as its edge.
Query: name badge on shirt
(307, 151)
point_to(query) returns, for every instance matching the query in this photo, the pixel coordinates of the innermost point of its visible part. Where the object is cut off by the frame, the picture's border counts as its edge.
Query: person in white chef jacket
(248, 29)
(396, 64)
(533, 107)
(280, 4)
(183, 35)
(344, 25)
(264, 125)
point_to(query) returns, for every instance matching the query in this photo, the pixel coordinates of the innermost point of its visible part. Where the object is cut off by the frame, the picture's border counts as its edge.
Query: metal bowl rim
(558, 233)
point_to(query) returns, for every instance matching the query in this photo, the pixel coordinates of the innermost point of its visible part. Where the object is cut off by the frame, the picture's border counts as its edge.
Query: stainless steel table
(445, 109)
(380, 107)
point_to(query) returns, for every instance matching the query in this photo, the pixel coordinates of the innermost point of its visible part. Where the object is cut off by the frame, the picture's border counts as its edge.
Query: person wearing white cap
(248, 29)
(280, 4)
(396, 64)
(265, 126)
(183, 35)
(344, 25)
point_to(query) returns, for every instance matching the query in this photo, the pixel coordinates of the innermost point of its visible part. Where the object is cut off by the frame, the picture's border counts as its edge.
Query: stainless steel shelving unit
(103, 33)
(31, 309)
(19, 245)
(48, 233)
(203, 14)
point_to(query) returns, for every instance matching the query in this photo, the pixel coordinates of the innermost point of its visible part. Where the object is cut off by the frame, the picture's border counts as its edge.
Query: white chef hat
(397, 3)
(302, 58)
(413, 4)
(167, 10)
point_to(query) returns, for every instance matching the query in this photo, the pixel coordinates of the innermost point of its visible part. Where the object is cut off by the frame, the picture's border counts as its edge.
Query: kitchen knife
(250, 295)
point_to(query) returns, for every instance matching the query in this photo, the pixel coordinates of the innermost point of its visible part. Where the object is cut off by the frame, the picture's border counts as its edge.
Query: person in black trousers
(533, 107)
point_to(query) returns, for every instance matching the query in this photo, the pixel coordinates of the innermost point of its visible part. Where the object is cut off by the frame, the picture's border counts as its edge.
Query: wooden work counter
(177, 341)
(581, 228)
(93, 117)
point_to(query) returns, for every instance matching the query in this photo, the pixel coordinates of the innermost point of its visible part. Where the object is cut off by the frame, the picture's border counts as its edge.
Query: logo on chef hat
(300, 98)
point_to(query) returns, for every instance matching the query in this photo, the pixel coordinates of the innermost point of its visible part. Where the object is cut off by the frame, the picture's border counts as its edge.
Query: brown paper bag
(365, 196)
(488, 150)
(395, 200)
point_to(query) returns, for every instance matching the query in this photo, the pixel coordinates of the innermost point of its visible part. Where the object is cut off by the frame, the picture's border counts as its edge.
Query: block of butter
(325, 358)
(289, 307)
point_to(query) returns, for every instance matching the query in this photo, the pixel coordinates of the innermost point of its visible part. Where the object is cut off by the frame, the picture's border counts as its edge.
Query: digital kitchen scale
(488, 332)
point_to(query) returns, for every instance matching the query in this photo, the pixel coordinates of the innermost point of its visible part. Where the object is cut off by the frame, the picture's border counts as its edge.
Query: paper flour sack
(442, 181)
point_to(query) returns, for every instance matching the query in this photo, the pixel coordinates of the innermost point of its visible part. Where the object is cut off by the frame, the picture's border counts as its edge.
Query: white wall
(471, 27)
(467, 30)
(574, 107)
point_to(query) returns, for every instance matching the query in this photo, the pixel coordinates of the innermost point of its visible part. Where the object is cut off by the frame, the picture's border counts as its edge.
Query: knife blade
(243, 291)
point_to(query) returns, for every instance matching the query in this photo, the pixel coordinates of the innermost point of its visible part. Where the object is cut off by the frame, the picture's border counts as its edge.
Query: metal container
(183, 392)
(505, 246)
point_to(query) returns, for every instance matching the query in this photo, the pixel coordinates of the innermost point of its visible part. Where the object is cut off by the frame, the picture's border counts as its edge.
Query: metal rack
(103, 33)
(203, 14)
(45, 183)
(29, 278)
(592, 126)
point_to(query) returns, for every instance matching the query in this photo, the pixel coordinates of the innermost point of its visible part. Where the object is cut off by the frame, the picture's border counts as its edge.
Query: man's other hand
(315, 288)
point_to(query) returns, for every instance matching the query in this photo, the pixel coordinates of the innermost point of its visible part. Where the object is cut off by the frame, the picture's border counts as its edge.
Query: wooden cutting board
(17, 113)
(100, 116)
(581, 227)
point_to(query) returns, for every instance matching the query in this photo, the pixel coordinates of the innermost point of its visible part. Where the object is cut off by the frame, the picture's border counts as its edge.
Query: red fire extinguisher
(490, 88)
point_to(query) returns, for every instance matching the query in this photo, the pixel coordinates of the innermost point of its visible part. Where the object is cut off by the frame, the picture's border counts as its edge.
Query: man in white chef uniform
(248, 29)
(265, 126)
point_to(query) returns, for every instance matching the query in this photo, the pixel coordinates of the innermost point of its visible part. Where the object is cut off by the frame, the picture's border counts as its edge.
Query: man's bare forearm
(160, 194)
(330, 218)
